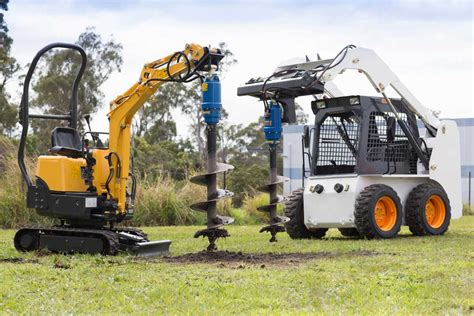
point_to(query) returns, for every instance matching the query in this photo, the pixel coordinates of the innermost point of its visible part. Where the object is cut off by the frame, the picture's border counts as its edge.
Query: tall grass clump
(467, 210)
(251, 203)
(13, 210)
(163, 201)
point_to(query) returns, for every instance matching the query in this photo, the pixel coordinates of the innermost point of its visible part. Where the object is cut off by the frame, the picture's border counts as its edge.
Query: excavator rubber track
(63, 239)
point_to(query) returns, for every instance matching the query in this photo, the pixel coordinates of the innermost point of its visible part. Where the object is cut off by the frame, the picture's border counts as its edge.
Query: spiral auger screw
(211, 107)
(273, 130)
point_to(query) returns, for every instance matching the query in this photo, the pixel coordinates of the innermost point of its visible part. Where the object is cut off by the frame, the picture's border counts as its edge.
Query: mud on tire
(295, 211)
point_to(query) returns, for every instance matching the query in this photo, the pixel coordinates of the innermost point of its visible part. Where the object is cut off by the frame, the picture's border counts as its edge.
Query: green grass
(422, 275)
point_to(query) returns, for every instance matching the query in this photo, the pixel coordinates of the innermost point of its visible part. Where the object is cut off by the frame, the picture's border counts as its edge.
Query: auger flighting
(273, 130)
(279, 106)
(211, 107)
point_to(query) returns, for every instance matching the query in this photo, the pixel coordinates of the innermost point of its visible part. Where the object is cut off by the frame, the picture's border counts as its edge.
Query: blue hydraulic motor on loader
(273, 130)
(277, 92)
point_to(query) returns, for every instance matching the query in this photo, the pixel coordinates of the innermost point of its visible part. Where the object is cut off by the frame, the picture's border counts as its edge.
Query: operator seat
(67, 142)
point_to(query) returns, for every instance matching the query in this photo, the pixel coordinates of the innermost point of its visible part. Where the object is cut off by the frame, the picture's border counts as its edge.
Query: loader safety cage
(351, 135)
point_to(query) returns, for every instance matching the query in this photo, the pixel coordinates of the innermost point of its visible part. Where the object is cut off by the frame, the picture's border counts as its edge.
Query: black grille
(338, 143)
(378, 148)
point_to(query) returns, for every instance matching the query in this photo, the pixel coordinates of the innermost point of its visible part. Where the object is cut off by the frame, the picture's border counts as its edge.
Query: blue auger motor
(272, 126)
(211, 100)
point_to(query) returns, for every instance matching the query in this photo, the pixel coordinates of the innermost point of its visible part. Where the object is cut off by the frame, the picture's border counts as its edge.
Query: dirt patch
(60, 265)
(17, 260)
(279, 259)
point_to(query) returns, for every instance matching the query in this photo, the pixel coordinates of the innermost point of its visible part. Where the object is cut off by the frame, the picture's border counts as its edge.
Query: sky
(428, 44)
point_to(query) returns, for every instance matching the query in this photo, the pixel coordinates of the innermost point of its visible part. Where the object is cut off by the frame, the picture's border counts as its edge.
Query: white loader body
(330, 209)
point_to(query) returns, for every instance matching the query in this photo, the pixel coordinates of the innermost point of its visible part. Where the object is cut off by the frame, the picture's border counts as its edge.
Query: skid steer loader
(367, 170)
(89, 187)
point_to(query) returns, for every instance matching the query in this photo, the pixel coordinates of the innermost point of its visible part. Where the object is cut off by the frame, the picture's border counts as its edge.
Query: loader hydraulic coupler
(211, 107)
(273, 129)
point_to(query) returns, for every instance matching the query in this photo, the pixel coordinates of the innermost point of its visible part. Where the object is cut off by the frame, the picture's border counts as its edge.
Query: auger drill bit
(273, 131)
(211, 106)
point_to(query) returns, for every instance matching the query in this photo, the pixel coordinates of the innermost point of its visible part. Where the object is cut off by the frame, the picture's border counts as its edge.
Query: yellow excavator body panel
(61, 174)
(101, 169)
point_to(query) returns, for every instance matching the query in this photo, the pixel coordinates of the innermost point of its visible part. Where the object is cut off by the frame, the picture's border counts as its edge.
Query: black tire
(295, 227)
(349, 232)
(365, 217)
(415, 213)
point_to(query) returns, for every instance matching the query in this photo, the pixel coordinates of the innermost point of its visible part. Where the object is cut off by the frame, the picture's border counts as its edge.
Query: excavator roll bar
(24, 114)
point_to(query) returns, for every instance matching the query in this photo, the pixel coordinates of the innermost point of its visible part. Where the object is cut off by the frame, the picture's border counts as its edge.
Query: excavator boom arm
(178, 67)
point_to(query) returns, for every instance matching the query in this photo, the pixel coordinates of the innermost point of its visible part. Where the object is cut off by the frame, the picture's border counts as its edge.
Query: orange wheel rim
(385, 213)
(435, 211)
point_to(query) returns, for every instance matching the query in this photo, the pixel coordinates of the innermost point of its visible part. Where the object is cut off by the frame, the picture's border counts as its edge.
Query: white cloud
(432, 56)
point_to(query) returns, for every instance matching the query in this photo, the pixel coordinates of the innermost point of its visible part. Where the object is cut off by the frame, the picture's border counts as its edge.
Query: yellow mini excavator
(83, 183)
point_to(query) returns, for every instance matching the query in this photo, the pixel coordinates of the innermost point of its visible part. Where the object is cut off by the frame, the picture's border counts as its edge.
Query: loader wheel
(349, 232)
(295, 226)
(428, 211)
(378, 212)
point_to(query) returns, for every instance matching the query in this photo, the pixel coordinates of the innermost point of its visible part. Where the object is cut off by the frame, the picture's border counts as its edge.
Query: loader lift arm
(377, 71)
(181, 66)
(381, 77)
(323, 72)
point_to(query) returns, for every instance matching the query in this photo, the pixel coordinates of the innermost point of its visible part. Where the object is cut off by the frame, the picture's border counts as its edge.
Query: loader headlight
(317, 105)
(354, 101)
(320, 105)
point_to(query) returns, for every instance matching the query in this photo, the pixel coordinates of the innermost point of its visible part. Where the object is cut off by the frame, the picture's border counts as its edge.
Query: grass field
(423, 275)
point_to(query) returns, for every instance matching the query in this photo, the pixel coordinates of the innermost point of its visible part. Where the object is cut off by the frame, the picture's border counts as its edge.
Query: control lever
(95, 136)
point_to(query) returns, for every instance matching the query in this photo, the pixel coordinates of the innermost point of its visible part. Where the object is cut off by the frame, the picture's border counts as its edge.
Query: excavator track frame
(63, 239)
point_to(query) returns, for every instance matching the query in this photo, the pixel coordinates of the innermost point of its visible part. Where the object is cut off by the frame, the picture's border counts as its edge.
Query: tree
(301, 116)
(57, 71)
(163, 159)
(154, 120)
(8, 67)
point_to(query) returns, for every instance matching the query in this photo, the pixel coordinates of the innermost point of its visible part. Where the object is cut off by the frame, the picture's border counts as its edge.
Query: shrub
(467, 210)
(251, 203)
(164, 201)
